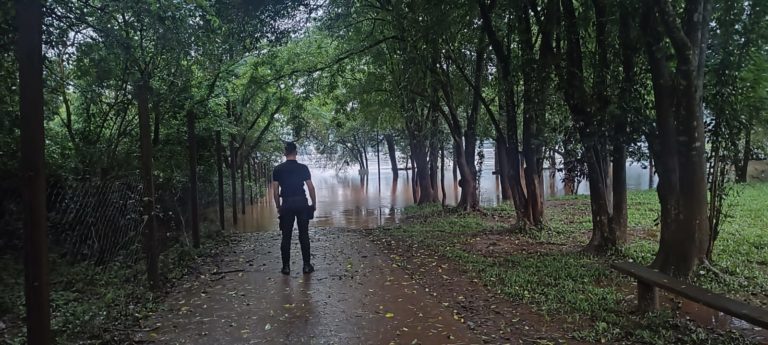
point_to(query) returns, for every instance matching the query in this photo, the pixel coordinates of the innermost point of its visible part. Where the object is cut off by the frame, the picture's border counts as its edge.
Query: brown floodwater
(347, 200)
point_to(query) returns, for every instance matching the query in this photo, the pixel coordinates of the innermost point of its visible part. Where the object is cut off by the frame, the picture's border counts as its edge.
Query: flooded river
(347, 200)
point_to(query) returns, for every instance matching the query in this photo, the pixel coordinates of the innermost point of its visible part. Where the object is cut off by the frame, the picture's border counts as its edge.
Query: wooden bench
(648, 298)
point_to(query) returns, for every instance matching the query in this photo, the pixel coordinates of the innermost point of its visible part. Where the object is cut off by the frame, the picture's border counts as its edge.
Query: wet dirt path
(356, 296)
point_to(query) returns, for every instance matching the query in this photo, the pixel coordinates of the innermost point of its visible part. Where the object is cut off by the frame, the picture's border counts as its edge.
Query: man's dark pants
(294, 209)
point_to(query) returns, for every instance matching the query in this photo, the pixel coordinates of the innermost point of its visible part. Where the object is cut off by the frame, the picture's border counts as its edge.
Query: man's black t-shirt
(291, 176)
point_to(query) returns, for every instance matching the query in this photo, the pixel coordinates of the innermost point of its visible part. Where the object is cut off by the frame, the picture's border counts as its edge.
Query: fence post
(29, 24)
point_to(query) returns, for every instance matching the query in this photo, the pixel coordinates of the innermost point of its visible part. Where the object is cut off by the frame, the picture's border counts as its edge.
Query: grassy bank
(93, 304)
(545, 269)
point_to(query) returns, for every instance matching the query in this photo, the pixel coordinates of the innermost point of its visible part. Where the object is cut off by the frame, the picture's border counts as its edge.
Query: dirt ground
(363, 292)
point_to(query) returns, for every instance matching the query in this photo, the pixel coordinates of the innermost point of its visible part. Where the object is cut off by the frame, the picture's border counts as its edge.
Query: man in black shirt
(288, 181)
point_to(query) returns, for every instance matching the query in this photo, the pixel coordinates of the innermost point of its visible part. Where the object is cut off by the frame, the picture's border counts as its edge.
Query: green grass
(92, 303)
(583, 288)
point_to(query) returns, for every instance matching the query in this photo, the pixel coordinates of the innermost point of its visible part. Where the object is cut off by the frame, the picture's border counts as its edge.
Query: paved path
(356, 296)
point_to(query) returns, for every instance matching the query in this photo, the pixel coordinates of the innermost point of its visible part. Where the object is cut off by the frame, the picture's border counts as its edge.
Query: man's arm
(311, 188)
(276, 193)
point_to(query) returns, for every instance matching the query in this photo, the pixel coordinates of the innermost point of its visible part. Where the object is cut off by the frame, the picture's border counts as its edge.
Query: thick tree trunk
(193, 202)
(422, 173)
(32, 170)
(414, 180)
(533, 85)
(682, 185)
(503, 168)
(469, 198)
(233, 178)
(390, 140)
(220, 178)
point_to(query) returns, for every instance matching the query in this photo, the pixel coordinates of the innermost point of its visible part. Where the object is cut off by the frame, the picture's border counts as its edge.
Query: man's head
(290, 150)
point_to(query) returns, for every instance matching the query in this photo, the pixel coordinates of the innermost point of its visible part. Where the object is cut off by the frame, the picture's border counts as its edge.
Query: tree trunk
(743, 168)
(455, 168)
(250, 181)
(422, 173)
(32, 170)
(242, 186)
(533, 85)
(220, 178)
(193, 202)
(651, 172)
(682, 185)
(469, 198)
(552, 175)
(442, 173)
(145, 140)
(503, 168)
(233, 178)
(434, 156)
(390, 140)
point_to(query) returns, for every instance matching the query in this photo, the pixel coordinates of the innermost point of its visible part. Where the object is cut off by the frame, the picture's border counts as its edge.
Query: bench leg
(647, 297)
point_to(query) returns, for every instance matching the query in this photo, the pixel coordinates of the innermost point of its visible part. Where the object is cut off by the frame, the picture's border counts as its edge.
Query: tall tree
(681, 163)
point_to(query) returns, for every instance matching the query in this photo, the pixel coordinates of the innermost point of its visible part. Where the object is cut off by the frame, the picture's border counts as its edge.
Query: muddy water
(714, 319)
(347, 200)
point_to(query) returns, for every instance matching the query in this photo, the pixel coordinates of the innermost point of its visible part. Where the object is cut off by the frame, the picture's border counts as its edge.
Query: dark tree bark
(508, 111)
(242, 186)
(681, 165)
(414, 179)
(442, 174)
(421, 164)
(390, 140)
(250, 181)
(193, 201)
(148, 198)
(220, 178)
(434, 156)
(233, 178)
(535, 91)
(470, 134)
(29, 55)
(586, 110)
(455, 168)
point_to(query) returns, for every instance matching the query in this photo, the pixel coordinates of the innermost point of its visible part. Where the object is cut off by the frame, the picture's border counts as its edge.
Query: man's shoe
(308, 268)
(286, 270)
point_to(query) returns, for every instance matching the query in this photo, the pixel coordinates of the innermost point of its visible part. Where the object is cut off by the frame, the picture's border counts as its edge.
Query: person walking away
(288, 180)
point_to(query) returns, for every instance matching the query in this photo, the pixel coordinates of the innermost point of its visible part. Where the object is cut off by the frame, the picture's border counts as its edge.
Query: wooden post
(29, 55)
(193, 203)
(647, 297)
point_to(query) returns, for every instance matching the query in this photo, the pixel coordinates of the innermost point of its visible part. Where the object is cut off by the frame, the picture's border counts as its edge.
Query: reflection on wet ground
(710, 318)
(356, 296)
